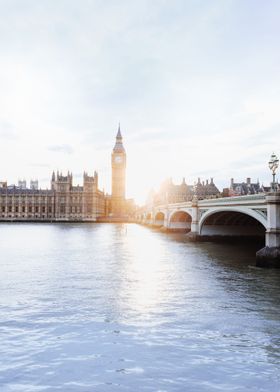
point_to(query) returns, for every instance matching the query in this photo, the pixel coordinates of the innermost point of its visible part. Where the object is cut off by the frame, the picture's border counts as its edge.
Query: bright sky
(194, 83)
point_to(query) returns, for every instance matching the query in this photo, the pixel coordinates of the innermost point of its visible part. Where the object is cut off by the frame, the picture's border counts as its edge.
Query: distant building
(34, 184)
(63, 202)
(171, 193)
(22, 184)
(244, 188)
(206, 190)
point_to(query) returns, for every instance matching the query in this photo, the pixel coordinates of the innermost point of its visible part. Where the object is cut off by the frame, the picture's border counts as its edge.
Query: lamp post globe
(273, 166)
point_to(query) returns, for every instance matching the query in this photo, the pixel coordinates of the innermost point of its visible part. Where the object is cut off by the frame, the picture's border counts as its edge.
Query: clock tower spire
(118, 162)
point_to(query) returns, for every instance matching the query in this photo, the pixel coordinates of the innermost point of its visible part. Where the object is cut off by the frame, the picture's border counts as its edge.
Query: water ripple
(99, 308)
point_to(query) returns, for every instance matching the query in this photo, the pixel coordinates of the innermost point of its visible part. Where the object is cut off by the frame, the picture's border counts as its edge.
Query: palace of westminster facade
(66, 202)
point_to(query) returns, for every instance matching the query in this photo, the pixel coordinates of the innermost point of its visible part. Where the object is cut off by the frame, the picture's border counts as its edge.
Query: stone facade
(171, 193)
(246, 188)
(206, 189)
(63, 202)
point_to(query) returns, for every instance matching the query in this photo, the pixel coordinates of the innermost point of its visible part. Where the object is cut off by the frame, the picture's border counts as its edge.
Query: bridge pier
(193, 235)
(269, 256)
(166, 220)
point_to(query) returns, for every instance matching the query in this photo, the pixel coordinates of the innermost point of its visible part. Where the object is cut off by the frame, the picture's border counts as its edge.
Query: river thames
(108, 307)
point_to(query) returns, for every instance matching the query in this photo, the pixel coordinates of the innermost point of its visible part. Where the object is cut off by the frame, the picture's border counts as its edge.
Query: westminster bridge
(240, 216)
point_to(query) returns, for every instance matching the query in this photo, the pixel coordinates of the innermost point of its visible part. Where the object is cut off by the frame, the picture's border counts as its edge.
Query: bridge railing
(159, 207)
(260, 197)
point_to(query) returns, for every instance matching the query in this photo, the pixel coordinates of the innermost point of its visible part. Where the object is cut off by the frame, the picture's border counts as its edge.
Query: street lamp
(273, 165)
(195, 191)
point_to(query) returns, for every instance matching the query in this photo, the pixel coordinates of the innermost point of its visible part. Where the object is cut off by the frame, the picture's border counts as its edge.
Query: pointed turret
(96, 179)
(119, 135)
(119, 145)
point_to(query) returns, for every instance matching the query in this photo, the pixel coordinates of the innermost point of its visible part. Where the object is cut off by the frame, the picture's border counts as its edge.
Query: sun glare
(148, 255)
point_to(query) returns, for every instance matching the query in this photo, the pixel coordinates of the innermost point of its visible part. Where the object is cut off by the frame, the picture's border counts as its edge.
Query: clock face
(118, 159)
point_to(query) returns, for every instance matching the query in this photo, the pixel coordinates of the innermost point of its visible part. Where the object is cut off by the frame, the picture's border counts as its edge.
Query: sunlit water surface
(104, 307)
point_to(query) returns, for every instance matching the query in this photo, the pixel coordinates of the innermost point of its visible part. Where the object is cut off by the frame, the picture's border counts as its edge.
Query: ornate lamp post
(195, 192)
(273, 165)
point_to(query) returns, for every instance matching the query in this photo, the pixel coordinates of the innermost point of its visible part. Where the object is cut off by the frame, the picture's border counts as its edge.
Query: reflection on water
(87, 307)
(146, 274)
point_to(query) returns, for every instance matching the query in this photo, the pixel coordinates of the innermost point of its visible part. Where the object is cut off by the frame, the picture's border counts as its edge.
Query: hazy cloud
(193, 83)
(64, 148)
(43, 165)
(7, 131)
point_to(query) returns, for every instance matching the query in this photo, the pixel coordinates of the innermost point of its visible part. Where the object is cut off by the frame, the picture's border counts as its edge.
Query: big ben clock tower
(118, 161)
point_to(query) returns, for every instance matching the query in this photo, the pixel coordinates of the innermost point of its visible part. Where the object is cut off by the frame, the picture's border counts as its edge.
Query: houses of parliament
(66, 202)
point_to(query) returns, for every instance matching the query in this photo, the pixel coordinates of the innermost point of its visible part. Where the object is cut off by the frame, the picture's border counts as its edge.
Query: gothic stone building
(246, 188)
(63, 202)
(66, 202)
(172, 193)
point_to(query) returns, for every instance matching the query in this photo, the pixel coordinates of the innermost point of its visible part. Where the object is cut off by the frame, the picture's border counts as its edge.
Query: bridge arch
(232, 221)
(180, 220)
(159, 219)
